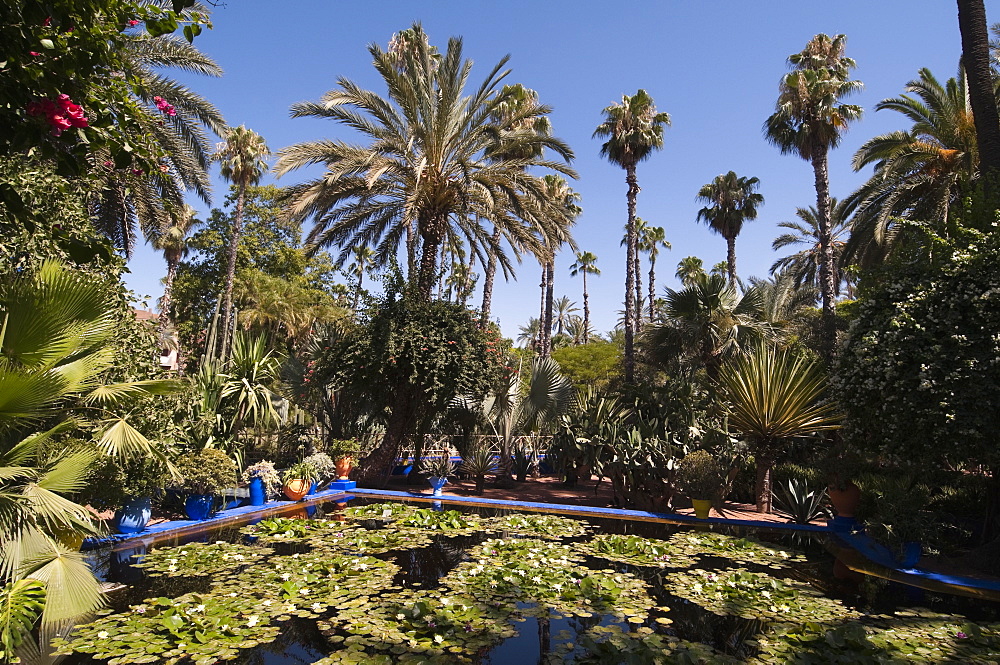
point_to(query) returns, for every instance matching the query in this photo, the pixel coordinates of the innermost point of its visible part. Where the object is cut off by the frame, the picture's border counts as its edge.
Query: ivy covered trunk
(827, 263)
(630, 276)
(377, 467)
(491, 271)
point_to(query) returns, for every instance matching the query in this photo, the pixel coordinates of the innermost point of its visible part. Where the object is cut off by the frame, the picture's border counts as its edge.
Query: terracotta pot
(845, 501)
(344, 466)
(702, 507)
(296, 489)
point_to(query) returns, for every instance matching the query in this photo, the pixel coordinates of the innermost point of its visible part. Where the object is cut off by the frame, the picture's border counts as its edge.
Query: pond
(412, 583)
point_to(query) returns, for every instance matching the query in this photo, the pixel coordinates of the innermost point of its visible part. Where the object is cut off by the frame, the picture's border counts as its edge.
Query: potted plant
(127, 486)
(699, 476)
(264, 481)
(298, 479)
(345, 455)
(476, 463)
(325, 468)
(841, 468)
(205, 473)
(437, 469)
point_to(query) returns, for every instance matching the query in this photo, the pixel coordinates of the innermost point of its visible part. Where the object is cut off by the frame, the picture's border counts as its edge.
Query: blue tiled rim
(854, 548)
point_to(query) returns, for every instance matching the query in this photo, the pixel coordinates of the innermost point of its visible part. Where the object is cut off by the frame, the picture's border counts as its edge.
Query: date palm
(633, 129)
(432, 162)
(803, 266)
(732, 200)
(982, 87)
(808, 121)
(563, 308)
(651, 240)
(919, 173)
(774, 396)
(242, 156)
(173, 242)
(586, 263)
(563, 200)
(129, 204)
(362, 260)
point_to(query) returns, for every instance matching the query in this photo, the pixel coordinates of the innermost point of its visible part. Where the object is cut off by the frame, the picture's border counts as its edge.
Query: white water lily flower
(766, 594)
(304, 591)
(267, 603)
(103, 635)
(316, 607)
(286, 576)
(536, 579)
(253, 620)
(183, 552)
(557, 587)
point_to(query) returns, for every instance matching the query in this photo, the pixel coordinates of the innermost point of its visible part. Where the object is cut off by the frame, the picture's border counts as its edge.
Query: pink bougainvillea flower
(47, 22)
(34, 53)
(133, 22)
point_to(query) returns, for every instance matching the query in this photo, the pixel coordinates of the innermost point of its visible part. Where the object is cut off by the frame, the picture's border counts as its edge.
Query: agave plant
(802, 503)
(477, 462)
(774, 396)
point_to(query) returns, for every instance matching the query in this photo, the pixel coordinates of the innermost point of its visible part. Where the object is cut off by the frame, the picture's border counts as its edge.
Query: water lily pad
(637, 551)
(538, 525)
(201, 559)
(740, 550)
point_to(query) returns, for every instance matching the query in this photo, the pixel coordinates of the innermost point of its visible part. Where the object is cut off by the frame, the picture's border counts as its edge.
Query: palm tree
(782, 300)
(919, 173)
(173, 242)
(586, 262)
(651, 240)
(564, 202)
(809, 119)
(177, 119)
(433, 162)
(529, 333)
(563, 307)
(640, 231)
(689, 270)
(705, 324)
(633, 129)
(362, 259)
(56, 334)
(731, 201)
(982, 87)
(803, 266)
(517, 113)
(242, 157)
(774, 396)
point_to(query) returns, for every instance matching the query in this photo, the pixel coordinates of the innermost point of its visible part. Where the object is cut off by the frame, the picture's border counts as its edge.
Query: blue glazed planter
(198, 506)
(258, 497)
(437, 483)
(133, 516)
(312, 488)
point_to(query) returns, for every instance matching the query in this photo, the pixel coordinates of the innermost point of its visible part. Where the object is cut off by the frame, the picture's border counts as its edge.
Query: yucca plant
(802, 503)
(477, 462)
(774, 396)
(55, 328)
(525, 461)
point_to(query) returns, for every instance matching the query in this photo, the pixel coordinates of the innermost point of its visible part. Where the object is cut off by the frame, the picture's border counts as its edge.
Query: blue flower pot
(437, 482)
(133, 516)
(312, 488)
(258, 497)
(198, 506)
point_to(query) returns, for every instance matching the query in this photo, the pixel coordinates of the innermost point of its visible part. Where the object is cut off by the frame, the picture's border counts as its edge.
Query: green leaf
(47, 43)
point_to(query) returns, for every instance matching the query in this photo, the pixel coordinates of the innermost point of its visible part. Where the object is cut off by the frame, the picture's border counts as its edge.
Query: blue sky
(714, 66)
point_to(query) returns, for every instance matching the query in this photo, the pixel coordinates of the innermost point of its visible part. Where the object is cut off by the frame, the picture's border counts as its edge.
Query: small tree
(774, 396)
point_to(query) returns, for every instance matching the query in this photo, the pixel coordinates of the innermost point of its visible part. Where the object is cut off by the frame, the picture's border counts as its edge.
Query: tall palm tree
(529, 333)
(173, 242)
(774, 396)
(563, 201)
(782, 300)
(651, 240)
(432, 162)
(982, 87)
(586, 262)
(689, 270)
(362, 259)
(633, 129)
(242, 156)
(809, 120)
(640, 230)
(919, 173)
(731, 201)
(517, 113)
(803, 266)
(177, 119)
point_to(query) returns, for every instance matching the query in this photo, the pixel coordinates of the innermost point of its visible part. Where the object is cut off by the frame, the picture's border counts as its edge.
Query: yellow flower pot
(701, 508)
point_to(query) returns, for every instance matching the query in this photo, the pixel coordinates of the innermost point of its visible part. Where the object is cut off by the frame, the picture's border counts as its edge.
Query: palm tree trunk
(632, 249)
(234, 241)
(763, 483)
(549, 285)
(541, 311)
(491, 271)
(357, 293)
(168, 292)
(586, 309)
(638, 286)
(411, 253)
(731, 259)
(652, 283)
(827, 267)
(375, 468)
(431, 236)
(976, 59)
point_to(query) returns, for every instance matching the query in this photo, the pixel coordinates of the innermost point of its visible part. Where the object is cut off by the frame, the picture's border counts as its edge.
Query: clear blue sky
(714, 66)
